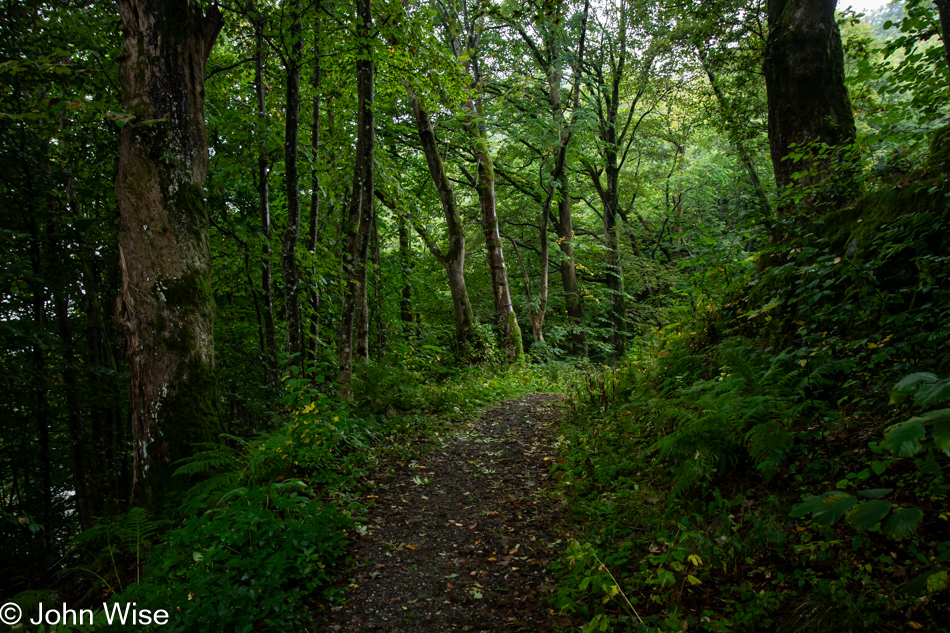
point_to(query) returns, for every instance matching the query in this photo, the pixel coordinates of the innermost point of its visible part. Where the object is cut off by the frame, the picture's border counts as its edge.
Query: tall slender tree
(453, 259)
(263, 191)
(292, 63)
(360, 217)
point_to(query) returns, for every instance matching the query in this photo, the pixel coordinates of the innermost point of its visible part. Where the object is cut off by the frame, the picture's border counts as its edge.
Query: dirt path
(460, 541)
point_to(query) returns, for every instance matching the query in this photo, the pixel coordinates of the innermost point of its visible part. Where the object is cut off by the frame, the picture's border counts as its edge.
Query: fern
(117, 541)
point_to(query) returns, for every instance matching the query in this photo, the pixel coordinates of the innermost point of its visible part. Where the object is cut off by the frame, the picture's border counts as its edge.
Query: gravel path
(461, 540)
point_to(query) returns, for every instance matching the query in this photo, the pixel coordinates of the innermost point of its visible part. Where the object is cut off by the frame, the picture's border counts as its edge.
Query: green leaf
(909, 385)
(934, 393)
(932, 417)
(904, 439)
(942, 435)
(903, 522)
(825, 509)
(875, 493)
(869, 513)
(923, 584)
(878, 467)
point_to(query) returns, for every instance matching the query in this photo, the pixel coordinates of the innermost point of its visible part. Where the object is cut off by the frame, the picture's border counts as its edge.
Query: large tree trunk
(357, 225)
(292, 182)
(454, 258)
(804, 77)
(263, 190)
(166, 306)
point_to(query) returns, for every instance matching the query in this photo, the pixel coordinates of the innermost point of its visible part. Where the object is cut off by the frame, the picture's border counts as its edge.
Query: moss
(191, 291)
(187, 415)
(516, 338)
(190, 205)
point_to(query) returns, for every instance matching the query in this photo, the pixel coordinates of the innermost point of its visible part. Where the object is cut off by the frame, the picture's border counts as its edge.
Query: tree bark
(292, 182)
(506, 319)
(807, 97)
(166, 306)
(360, 217)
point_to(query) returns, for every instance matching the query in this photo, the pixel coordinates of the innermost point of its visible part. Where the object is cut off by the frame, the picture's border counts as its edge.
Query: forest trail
(460, 540)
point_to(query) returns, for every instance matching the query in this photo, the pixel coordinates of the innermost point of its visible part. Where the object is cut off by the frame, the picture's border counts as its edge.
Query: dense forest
(263, 259)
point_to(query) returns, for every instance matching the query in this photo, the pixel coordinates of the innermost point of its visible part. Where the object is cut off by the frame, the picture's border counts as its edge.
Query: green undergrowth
(262, 533)
(682, 470)
(776, 459)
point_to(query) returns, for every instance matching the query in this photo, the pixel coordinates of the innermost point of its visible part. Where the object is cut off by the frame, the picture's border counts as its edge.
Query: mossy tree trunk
(804, 78)
(166, 307)
(360, 217)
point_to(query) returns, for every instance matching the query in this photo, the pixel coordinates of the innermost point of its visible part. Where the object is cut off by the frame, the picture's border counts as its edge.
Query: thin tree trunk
(166, 306)
(361, 326)
(613, 268)
(77, 439)
(377, 294)
(406, 314)
(104, 411)
(360, 217)
(506, 319)
(314, 342)
(744, 154)
(263, 191)
(564, 226)
(536, 315)
(41, 391)
(453, 260)
(292, 185)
